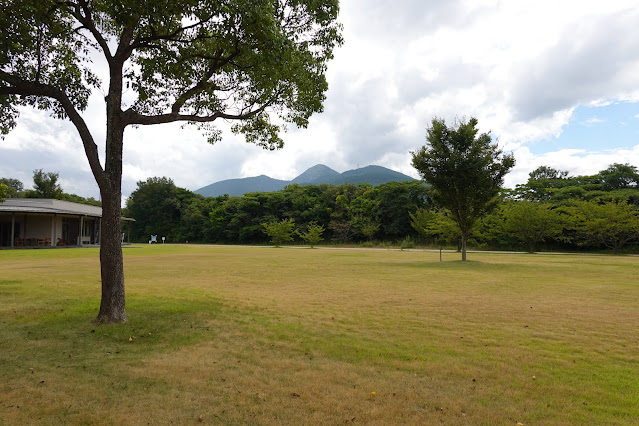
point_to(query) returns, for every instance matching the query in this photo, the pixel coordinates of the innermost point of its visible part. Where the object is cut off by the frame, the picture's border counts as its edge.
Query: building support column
(81, 231)
(99, 242)
(13, 229)
(54, 232)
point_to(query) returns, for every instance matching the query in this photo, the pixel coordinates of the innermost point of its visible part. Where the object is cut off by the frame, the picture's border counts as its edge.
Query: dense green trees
(619, 176)
(14, 187)
(611, 224)
(531, 222)
(616, 183)
(465, 170)
(346, 213)
(157, 205)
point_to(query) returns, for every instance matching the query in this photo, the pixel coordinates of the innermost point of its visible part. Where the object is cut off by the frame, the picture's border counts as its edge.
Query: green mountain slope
(318, 174)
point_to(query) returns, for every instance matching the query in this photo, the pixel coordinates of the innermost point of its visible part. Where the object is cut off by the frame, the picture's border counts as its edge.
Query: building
(43, 222)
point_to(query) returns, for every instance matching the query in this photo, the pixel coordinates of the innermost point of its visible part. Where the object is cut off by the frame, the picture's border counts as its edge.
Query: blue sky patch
(596, 128)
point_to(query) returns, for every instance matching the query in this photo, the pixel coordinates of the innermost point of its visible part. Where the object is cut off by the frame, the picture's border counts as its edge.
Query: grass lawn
(232, 335)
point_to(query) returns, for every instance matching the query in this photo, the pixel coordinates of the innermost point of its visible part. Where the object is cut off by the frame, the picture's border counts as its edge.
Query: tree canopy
(280, 232)
(612, 224)
(465, 170)
(14, 187)
(4, 192)
(45, 185)
(531, 222)
(258, 63)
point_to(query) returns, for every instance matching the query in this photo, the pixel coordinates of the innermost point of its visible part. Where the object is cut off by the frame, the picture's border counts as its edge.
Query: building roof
(48, 205)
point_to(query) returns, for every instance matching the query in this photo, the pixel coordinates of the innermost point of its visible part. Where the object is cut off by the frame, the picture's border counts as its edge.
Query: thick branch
(30, 88)
(82, 12)
(201, 85)
(133, 117)
(215, 64)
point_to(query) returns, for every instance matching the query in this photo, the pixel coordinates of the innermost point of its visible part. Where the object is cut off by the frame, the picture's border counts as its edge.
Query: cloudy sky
(555, 81)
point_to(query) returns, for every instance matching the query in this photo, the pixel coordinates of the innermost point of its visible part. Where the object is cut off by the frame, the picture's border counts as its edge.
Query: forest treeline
(348, 212)
(551, 211)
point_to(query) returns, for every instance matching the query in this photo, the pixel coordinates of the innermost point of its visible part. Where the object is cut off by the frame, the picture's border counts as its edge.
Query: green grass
(233, 335)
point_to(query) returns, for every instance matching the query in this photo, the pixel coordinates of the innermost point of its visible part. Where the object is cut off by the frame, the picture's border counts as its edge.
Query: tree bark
(112, 305)
(464, 238)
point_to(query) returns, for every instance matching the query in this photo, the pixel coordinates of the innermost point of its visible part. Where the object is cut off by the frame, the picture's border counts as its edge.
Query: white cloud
(593, 120)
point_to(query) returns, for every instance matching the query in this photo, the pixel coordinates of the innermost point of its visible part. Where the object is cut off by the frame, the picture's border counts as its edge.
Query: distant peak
(319, 173)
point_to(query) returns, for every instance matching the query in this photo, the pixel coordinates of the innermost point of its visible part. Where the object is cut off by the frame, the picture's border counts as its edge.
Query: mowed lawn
(234, 335)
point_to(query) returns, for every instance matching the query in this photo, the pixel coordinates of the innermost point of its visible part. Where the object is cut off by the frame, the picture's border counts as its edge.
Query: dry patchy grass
(234, 335)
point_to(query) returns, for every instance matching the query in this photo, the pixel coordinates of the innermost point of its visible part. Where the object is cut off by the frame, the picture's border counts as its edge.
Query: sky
(556, 82)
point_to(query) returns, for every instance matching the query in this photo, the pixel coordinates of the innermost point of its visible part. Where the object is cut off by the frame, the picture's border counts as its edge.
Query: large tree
(619, 176)
(157, 208)
(465, 171)
(193, 61)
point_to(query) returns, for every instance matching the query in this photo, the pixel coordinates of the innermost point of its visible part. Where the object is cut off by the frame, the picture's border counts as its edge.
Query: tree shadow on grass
(59, 334)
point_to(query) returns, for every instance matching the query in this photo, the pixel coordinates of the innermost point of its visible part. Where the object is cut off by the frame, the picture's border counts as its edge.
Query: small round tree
(313, 235)
(280, 232)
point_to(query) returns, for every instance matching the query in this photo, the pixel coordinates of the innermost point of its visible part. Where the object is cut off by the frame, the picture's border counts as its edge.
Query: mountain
(318, 174)
(375, 175)
(241, 186)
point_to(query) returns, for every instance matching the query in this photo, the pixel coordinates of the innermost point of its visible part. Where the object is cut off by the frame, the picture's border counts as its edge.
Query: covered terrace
(40, 222)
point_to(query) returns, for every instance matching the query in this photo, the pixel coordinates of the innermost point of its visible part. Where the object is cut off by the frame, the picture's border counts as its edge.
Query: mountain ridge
(318, 174)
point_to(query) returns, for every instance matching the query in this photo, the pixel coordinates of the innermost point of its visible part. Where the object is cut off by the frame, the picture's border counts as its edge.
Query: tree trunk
(112, 308)
(464, 238)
